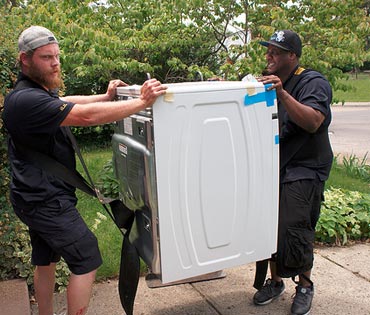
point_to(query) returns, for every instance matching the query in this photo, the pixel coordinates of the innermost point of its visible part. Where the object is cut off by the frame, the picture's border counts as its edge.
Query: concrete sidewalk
(352, 104)
(342, 286)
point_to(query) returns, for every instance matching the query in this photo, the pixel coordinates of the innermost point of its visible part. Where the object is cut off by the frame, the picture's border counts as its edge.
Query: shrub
(356, 167)
(345, 215)
(15, 249)
(107, 183)
(15, 252)
(94, 136)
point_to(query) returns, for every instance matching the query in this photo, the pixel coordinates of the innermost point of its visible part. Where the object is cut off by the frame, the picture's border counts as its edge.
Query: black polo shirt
(305, 155)
(32, 117)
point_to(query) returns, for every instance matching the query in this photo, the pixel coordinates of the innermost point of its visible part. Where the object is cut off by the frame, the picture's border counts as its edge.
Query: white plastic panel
(217, 178)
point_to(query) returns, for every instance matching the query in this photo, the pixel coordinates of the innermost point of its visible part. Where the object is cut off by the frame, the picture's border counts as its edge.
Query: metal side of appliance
(200, 170)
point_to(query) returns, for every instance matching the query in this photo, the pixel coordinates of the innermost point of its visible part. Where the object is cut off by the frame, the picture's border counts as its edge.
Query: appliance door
(133, 156)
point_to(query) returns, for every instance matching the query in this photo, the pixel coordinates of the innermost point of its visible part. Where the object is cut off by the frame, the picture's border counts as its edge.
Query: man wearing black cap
(36, 118)
(304, 98)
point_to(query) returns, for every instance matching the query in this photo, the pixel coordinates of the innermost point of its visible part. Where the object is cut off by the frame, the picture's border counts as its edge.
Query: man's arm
(86, 99)
(96, 113)
(308, 118)
(304, 116)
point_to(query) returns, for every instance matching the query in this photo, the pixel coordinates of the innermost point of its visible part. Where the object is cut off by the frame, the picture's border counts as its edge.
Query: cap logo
(278, 37)
(51, 38)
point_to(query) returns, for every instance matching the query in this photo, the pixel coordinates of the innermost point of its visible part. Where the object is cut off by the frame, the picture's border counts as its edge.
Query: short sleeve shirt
(32, 117)
(305, 155)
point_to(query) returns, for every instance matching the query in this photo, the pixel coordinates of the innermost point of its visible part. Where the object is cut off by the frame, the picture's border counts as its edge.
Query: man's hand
(111, 90)
(274, 80)
(150, 90)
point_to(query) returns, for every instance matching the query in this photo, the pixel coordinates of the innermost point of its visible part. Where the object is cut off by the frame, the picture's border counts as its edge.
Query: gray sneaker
(269, 292)
(302, 300)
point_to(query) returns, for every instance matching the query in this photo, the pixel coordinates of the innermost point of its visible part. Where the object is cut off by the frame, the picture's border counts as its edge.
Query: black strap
(56, 168)
(72, 177)
(92, 186)
(260, 275)
(304, 277)
(129, 275)
(78, 152)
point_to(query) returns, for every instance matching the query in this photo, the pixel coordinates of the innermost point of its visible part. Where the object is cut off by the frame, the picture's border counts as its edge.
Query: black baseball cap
(287, 40)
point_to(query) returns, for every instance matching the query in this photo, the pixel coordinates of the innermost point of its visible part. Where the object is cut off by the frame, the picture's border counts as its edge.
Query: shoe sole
(270, 300)
(302, 314)
(307, 313)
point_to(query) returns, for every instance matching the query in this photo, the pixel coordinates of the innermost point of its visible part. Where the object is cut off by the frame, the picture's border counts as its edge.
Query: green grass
(360, 91)
(110, 238)
(340, 179)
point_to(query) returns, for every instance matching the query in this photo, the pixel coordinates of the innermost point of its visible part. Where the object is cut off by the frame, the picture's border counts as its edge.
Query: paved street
(350, 130)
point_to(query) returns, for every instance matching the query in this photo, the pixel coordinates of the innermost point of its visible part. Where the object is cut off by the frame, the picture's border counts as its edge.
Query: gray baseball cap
(35, 37)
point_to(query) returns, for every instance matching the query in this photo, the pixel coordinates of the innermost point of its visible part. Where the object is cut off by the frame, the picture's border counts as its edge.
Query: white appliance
(201, 171)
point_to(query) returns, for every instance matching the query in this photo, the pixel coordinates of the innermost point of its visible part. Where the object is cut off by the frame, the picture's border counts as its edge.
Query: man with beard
(35, 118)
(304, 98)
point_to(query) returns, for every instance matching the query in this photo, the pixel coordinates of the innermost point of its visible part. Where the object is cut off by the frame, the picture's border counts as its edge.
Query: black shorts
(299, 211)
(57, 230)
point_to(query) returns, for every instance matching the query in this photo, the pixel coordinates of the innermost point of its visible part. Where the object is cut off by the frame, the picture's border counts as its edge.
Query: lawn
(360, 91)
(341, 178)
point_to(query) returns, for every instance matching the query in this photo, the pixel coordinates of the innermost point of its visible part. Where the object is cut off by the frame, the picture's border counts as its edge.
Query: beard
(52, 80)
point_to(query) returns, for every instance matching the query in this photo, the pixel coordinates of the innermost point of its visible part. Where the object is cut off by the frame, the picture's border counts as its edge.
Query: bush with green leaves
(94, 136)
(345, 216)
(357, 167)
(15, 251)
(108, 185)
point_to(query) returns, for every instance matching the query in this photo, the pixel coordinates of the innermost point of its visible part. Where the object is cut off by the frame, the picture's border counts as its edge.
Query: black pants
(299, 211)
(57, 230)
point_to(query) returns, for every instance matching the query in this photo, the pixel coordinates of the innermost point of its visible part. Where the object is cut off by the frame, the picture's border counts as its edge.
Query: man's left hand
(111, 90)
(274, 80)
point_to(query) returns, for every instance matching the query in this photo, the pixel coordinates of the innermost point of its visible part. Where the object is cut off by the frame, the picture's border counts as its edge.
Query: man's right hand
(150, 90)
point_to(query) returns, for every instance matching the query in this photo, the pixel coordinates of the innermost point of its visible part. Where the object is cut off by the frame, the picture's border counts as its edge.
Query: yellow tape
(168, 97)
(251, 90)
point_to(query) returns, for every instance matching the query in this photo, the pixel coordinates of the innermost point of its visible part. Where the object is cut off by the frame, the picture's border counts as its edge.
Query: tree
(334, 32)
(174, 39)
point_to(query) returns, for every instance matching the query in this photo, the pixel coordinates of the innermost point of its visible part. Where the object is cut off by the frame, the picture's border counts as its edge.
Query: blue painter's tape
(270, 96)
(256, 98)
(277, 139)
